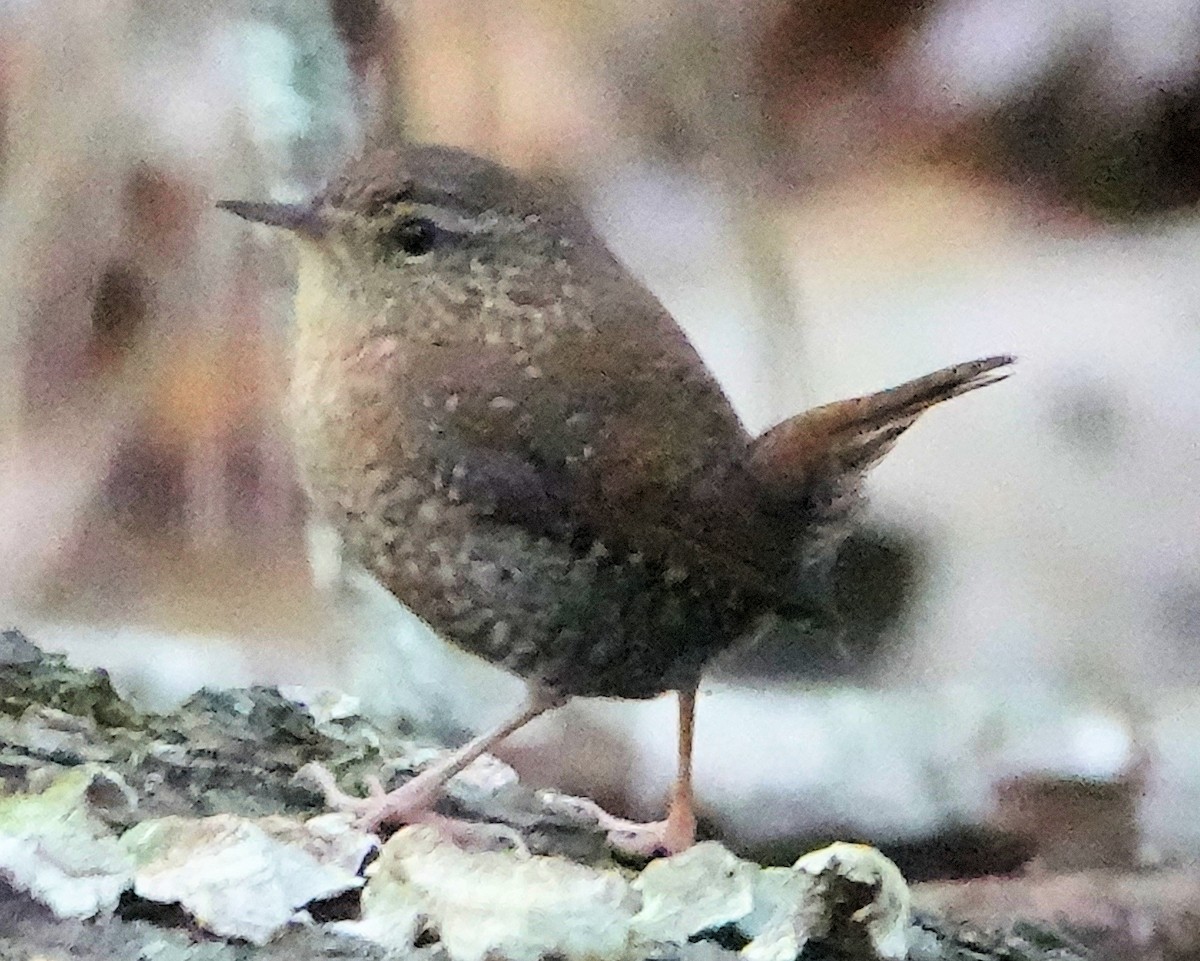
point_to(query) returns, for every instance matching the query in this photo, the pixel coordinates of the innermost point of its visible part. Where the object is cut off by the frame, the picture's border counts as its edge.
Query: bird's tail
(809, 469)
(848, 437)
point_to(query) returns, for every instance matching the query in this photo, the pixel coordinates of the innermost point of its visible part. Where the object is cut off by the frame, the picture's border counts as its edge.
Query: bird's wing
(597, 446)
(476, 404)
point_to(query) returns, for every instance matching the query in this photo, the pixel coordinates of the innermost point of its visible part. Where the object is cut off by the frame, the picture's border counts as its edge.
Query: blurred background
(831, 198)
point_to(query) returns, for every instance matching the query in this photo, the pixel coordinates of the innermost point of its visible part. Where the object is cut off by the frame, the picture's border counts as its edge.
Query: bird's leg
(656, 838)
(681, 815)
(414, 800)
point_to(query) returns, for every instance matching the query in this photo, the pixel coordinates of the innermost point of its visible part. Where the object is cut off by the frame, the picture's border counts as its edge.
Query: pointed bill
(302, 218)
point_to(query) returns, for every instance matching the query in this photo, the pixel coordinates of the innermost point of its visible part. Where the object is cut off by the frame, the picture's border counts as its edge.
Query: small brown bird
(517, 439)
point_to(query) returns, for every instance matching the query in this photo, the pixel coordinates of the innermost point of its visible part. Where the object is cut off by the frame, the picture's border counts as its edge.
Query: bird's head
(432, 239)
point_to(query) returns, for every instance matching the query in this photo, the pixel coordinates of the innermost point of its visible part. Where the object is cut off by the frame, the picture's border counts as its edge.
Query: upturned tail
(846, 438)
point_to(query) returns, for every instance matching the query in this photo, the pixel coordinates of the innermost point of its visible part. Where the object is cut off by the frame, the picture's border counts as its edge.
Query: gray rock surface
(187, 835)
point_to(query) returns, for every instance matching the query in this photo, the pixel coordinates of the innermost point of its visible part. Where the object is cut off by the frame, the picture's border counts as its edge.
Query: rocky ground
(189, 835)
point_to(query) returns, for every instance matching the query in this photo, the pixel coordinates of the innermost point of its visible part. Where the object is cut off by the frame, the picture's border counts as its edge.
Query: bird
(510, 431)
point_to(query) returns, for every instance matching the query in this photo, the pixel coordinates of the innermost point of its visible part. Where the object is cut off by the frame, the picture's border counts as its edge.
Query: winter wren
(517, 439)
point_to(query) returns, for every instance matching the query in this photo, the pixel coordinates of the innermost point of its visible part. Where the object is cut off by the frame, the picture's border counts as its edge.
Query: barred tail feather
(846, 438)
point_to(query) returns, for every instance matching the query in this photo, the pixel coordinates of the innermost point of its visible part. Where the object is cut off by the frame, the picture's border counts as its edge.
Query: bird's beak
(304, 219)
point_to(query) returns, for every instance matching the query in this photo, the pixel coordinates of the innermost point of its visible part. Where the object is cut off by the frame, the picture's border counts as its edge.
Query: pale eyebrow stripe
(453, 221)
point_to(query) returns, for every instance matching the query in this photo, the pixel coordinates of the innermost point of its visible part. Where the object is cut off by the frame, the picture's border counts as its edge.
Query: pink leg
(413, 801)
(656, 838)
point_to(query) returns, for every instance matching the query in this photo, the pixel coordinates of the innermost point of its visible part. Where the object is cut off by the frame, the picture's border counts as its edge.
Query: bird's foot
(481, 835)
(635, 839)
(411, 803)
(407, 804)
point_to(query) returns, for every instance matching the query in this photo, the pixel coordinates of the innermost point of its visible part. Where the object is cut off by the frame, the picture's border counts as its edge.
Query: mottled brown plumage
(514, 435)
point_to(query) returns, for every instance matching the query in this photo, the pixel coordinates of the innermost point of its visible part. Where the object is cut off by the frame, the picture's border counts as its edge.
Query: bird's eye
(412, 235)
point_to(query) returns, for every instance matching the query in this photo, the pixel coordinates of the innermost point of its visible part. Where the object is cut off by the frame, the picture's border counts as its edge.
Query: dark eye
(413, 235)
